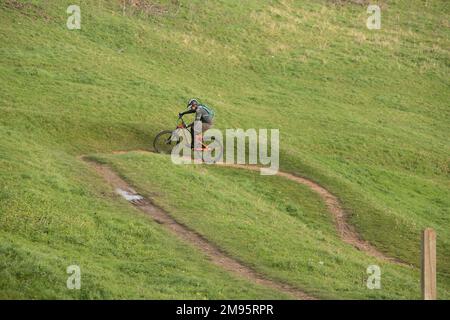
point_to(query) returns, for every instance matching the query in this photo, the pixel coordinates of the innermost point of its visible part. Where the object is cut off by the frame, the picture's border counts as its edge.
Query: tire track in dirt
(213, 252)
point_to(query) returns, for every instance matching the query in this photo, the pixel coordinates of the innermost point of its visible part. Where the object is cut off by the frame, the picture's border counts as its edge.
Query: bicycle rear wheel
(164, 143)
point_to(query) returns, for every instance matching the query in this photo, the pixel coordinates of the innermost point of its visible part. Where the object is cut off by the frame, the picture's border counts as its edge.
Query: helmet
(192, 102)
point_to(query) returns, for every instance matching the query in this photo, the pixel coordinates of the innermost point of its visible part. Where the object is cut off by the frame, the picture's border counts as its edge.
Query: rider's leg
(205, 127)
(196, 135)
(199, 137)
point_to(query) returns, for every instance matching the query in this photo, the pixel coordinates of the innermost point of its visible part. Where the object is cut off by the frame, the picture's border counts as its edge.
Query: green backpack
(209, 110)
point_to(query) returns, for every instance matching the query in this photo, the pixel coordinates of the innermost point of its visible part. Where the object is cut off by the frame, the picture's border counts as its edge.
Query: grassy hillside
(365, 113)
(280, 228)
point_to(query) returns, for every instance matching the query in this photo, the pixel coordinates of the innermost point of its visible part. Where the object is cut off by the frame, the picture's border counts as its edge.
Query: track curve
(213, 252)
(346, 231)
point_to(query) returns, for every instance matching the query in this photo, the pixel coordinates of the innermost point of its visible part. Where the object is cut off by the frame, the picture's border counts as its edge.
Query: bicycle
(166, 140)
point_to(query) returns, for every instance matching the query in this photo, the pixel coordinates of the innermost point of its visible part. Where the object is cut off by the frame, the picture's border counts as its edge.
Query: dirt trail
(214, 253)
(347, 232)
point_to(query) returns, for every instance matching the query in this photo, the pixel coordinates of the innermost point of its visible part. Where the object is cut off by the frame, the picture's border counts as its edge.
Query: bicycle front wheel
(164, 143)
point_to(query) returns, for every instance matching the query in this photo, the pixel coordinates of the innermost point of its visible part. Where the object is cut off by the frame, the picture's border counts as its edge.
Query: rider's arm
(198, 115)
(186, 112)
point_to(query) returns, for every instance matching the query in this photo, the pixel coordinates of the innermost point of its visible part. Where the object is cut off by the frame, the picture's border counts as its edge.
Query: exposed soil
(149, 7)
(28, 9)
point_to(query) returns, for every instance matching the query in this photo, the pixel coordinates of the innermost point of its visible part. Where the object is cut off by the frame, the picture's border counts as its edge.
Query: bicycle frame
(183, 125)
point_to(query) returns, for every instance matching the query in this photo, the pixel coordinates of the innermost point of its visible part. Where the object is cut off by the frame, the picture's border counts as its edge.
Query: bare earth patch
(149, 7)
(26, 9)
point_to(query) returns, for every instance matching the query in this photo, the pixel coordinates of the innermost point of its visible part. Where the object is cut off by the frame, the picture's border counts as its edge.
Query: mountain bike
(166, 140)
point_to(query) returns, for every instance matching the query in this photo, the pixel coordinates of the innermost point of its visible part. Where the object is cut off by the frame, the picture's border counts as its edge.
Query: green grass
(364, 113)
(74, 219)
(278, 227)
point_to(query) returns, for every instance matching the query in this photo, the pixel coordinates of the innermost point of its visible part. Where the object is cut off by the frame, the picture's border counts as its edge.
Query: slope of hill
(365, 113)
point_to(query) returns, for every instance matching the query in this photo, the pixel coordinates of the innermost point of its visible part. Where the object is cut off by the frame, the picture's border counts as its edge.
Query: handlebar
(183, 124)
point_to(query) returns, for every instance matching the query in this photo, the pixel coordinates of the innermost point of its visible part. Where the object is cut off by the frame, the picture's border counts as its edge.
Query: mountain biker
(202, 113)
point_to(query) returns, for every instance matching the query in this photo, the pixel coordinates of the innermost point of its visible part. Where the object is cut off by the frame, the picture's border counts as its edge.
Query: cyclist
(202, 113)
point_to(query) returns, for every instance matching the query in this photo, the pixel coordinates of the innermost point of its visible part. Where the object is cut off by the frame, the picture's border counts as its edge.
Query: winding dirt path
(214, 253)
(346, 231)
